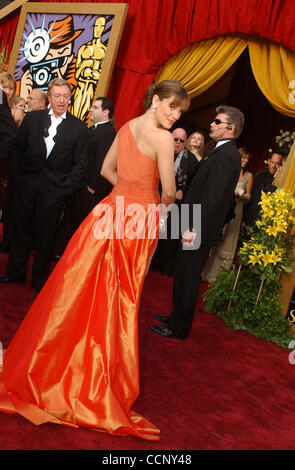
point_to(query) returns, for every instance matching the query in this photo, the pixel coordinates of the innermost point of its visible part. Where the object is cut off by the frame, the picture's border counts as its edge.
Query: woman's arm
(165, 157)
(249, 187)
(109, 166)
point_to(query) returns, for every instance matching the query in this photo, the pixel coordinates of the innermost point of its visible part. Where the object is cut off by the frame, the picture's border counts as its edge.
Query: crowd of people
(46, 195)
(66, 184)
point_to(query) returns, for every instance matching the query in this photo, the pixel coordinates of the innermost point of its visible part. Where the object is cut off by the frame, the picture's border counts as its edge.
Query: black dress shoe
(161, 318)
(10, 280)
(167, 332)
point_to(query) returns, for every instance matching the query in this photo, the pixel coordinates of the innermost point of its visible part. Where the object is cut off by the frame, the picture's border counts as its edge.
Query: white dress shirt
(221, 142)
(55, 121)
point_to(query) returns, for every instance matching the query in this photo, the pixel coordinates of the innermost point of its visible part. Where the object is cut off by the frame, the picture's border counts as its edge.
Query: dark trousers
(168, 250)
(187, 276)
(36, 212)
(76, 209)
(168, 247)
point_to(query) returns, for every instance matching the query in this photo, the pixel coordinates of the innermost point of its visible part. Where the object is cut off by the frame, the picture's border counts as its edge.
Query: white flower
(285, 139)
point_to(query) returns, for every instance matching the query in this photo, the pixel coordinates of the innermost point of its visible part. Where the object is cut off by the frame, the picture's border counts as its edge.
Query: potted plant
(247, 297)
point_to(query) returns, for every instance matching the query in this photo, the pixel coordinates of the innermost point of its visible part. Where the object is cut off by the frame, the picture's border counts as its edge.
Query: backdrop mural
(72, 46)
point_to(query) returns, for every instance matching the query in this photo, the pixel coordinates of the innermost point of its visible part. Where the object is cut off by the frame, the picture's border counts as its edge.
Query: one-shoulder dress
(74, 359)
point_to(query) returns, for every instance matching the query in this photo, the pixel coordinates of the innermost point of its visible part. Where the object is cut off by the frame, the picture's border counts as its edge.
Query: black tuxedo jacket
(213, 187)
(64, 170)
(263, 182)
(100, 140)
(8, 129)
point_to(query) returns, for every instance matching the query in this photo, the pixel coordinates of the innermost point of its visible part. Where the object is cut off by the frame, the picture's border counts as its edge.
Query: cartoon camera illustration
(42, 73)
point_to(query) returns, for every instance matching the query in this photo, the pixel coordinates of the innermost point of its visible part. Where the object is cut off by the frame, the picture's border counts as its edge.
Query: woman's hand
(179, 195)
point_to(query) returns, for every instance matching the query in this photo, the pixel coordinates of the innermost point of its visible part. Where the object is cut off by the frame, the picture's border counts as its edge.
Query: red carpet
(216, 390)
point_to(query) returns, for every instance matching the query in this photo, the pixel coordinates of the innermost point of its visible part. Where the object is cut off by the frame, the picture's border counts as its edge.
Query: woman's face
(18, 112)
(20, 105)
(197, 140)
(167, 112)
(245, 160)
(6, 87)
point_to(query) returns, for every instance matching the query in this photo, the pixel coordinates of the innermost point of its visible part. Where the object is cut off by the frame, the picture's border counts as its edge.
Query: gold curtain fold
(198, 66)
(290, 178)
(274, 70)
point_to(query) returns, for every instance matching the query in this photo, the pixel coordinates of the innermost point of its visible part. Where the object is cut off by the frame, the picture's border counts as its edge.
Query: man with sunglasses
(212, 187)
(185, 166)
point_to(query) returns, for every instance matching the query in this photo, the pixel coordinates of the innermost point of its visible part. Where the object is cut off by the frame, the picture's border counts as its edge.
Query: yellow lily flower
(260, 223)
(266, 258)
(275, 258)
(282, 227)
(257, 246)
(272, 230)
(254, 259)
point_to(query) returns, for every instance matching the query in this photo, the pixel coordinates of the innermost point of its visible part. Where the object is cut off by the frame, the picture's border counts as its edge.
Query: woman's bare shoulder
(147, 132)
(160, 136)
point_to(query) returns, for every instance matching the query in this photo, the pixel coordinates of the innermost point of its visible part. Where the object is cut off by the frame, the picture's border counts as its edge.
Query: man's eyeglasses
(176, 139)
(218, 121)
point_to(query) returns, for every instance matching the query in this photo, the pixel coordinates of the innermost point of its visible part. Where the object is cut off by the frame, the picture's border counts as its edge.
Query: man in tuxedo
(49, 164)
(212, 187)
(185, 166)
(100, 137)
(263, 182)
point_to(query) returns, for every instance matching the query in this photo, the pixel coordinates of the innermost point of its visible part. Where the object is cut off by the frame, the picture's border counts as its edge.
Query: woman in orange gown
(74, 359)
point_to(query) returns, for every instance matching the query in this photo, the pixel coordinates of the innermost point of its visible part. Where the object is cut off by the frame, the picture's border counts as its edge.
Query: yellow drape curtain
(198, 66)
(290, 180)
(286, 176)
(202, 64)
(274, 70)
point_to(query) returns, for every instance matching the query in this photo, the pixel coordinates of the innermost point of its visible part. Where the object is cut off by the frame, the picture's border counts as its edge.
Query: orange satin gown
(74, 359)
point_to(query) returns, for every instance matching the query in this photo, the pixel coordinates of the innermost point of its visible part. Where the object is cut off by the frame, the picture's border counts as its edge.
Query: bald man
(37, 100)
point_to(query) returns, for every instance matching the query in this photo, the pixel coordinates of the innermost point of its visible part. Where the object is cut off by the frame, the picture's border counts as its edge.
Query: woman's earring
(154, 107)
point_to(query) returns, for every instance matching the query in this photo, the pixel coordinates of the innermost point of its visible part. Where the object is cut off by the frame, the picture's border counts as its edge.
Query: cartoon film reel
(36, 45)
